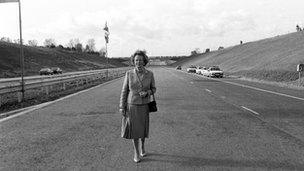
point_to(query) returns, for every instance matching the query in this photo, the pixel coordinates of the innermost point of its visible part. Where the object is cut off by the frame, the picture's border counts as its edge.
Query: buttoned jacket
(135, 83)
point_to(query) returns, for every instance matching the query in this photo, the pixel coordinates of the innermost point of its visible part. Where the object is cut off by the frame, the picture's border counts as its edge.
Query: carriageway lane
(281, 111)
(192, 130)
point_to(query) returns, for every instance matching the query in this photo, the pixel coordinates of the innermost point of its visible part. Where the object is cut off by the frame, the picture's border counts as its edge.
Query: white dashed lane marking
(252, 111)
(208, 90)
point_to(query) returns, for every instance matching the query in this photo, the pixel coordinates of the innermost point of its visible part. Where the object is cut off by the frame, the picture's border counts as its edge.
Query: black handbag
(152, 105)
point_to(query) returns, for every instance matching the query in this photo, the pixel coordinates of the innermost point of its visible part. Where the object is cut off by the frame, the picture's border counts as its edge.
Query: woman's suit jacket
(132, 86)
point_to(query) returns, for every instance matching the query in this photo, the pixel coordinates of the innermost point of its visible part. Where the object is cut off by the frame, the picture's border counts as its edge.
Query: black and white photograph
(151, 85)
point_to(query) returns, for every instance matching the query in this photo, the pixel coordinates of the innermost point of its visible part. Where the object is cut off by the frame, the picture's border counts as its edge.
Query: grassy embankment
(37, 57)
(271, 60)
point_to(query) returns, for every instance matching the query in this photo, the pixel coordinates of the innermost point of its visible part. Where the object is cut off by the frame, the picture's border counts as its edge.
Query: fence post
(47, 90)
(19, 96)
(63, 86)
(299, 78)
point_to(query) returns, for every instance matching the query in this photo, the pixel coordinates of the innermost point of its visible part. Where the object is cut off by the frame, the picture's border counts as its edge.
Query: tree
(73, 42)
(91, 44)
(102, 52)
(33, 43)
(49, 42)
(195, 51)
(17, 41)
(298, 28)
(78, 47)
(6, 39)
(220, 48)
(87, 49)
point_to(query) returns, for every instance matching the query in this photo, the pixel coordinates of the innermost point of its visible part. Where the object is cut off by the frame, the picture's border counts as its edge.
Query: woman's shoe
(143, 154)
(136, 160)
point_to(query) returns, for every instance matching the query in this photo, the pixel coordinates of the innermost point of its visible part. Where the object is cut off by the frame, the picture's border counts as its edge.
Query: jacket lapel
(140, 79)
(137, 78)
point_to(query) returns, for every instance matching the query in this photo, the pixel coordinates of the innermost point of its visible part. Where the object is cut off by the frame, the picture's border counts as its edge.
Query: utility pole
(21, 47)
(21, 54)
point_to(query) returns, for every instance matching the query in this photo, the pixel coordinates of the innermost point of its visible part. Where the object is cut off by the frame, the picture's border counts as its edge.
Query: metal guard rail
(15, 88)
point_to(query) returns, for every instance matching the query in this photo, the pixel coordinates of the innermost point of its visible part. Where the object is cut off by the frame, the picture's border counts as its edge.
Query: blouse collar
(144, 70)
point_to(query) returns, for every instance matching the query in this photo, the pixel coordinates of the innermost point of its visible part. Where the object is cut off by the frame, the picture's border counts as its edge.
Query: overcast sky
(162, 27)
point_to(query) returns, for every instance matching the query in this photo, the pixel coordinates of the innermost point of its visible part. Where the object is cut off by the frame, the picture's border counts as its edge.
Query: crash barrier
(11, 89)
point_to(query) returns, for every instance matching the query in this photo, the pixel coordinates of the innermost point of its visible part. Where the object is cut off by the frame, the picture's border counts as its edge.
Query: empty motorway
(202, 124)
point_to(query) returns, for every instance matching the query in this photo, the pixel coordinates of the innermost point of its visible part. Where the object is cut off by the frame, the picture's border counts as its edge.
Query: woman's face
(139, 61)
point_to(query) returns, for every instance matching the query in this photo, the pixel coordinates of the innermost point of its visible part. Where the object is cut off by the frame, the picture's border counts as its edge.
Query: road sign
(300, 67)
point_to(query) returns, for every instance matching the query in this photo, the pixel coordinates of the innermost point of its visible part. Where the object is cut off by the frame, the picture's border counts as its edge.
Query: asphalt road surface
(202, 124)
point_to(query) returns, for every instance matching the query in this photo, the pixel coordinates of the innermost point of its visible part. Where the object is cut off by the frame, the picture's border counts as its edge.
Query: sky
(161, 27)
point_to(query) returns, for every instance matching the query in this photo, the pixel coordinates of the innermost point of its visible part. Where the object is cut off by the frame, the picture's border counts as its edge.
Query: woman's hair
(140, 53)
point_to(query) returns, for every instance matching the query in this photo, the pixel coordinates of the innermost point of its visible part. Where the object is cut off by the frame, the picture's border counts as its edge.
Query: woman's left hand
(143, 93)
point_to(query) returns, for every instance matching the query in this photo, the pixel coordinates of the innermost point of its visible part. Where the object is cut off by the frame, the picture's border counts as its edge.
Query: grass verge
(282, 78)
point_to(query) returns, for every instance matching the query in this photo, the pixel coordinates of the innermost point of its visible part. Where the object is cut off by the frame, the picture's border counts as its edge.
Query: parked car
(179, 67)
(191, 69)
(205, 71)
(45, 71)
(201, 69)
(215, 71)
(56, 70)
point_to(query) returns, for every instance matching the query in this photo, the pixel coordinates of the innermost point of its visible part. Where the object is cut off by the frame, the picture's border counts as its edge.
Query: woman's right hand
(123, 112)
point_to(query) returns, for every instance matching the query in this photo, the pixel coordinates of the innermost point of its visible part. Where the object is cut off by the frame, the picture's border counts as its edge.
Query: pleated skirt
(136, 124)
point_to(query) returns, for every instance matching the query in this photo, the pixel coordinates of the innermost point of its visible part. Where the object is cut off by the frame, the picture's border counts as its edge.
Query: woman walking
(138, 86)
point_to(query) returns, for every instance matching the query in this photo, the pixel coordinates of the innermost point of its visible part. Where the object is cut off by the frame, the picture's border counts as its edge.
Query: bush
(60, 46)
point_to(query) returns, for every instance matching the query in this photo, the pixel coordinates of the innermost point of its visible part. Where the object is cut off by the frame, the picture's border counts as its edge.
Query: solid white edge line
(39, 106)
(252, 111)
(27, 111)
(268, 91)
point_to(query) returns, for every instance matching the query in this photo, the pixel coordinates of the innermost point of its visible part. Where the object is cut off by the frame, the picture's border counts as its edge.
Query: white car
(191, 69)
(215, 72)
(201, 70)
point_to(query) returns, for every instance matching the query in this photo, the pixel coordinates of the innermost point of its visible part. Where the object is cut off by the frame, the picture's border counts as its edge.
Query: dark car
(179, 67)
(45, 71)
(56, 70)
